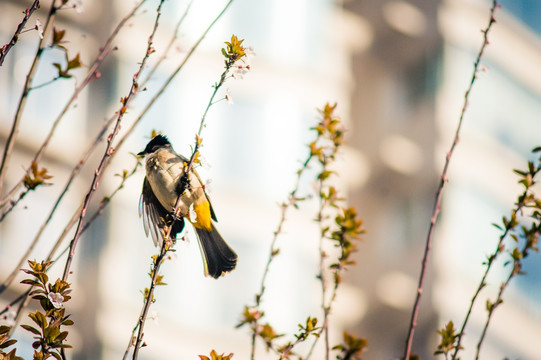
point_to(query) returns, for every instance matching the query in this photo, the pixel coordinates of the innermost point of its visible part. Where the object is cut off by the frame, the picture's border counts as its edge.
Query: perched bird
(162, 185)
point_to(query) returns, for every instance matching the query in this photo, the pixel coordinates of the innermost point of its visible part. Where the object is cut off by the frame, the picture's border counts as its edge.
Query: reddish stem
(439, 192)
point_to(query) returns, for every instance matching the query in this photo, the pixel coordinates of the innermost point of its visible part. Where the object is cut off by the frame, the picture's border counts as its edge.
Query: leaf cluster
(6, 342)
(523, 226)
(330, 136)
(352, 347)
(234, 51)
(349, 229)
(524, 229)
(36, 177)
(215, 356)
(49, 339)
(342, 229)
(156, 259)
(70, 64)
(448, 340)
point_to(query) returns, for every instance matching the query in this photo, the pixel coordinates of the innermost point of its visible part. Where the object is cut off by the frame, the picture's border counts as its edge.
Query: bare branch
(105, 50)
(4, 50)
(22, 101)
(439, 191)
(109, 148)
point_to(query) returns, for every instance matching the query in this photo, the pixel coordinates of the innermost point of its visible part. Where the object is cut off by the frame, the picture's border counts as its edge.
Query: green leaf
(32, 329)
(74, 63)
(7, 343)
(39, 319)
(63, 335)
(67, 322)
(58, 35)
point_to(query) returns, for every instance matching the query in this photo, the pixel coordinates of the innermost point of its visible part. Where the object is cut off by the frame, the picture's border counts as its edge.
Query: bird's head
(157, 142)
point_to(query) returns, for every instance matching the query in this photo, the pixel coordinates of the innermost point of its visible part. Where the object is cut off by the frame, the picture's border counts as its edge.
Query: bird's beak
(142, 153)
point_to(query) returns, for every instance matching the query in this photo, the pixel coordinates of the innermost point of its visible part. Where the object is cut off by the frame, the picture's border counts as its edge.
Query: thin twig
(503, 286)
(173, 75)
(105, 50)
(169, 45)
(273, 251)
(165, 246)
(198, 139)
(103, 204)
(482, 283)
(24, 96)
(105, 201)
(49, 82)
(109, 148)
(67, 228)
(11, 207)
(7, 47)
(524, 200)
(322, 275)
(150, 295)
(139, 327)
(439, 192)
(13, 302)
(72, 176)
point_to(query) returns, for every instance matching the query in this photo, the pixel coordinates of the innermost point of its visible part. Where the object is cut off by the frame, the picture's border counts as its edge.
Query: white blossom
(77, 5)
(239, 71)
(203, 162)
(56, 299)
(171, 255)
(229, 97)
(250, 54)
(39, 28)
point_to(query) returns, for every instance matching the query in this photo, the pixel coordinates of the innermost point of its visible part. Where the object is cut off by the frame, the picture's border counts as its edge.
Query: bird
(164, 181)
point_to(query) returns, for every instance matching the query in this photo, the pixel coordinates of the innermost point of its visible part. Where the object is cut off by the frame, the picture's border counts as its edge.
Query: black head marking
(157, 142)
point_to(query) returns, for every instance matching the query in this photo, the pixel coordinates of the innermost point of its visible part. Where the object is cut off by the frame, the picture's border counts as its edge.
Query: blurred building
(410, 90)
(398, 70)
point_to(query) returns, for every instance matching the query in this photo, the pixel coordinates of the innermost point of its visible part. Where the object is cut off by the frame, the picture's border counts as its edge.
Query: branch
(22, 101)
(105, 202)
(72, 176)
(11, 206)
(483, 283)
(7, 47)
(109, 149)
(149, 297)
(527, 200)
(169, 45)
(105, 50)
(439, 192)
(322, 276)
(173, 75)
(491, 312)
(231, 59)
(273, 251)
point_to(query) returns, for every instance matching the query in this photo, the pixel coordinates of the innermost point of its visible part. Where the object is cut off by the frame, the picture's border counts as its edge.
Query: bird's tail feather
(218, 257)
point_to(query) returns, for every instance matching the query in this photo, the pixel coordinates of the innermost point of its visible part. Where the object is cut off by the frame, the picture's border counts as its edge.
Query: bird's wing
(153, 213)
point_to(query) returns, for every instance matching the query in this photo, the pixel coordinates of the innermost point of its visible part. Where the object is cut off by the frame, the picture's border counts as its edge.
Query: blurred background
(398, 71)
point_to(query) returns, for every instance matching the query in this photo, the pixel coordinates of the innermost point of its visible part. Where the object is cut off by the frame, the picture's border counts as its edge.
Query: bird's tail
(218, 257)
